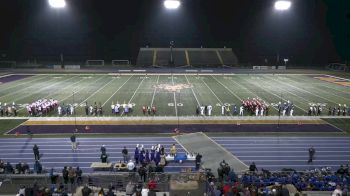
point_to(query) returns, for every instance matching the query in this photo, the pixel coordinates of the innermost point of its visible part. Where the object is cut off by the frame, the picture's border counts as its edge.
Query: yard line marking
(286, 91)
(212, 92)
(193, 91)
(172, 79)
(117, 90)
(10, 86)
(60, 90)
(132, 97)
(44, 88)
(251, 92)
(234, 94)
(99, 78)
(299, 89)
(279, 97)
(154, 92)
(14, 92)
(324, 84)
(97, 91)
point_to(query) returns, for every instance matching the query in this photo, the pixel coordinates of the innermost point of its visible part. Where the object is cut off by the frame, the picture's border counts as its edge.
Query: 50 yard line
(154, 92)
(172, 79)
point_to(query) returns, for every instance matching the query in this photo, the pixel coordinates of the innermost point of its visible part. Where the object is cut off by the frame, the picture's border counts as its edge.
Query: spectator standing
(125, 154)
(36, 152)
(104, 157)
(131, 166)
(142, 173)
(253, 168)
(198, 161)
(65, 175)
(73, 139)
(173, 150)
(79, 174)
(137, 154)
(103, 149)
(86, 191)
(38, 167)
(312, 152)
(152, 185)
(337, 191)
(71, 175)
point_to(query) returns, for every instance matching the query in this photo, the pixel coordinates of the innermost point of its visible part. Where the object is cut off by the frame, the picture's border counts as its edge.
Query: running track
(272, 153)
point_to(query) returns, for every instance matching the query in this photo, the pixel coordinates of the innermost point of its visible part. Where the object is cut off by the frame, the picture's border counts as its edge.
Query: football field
(175, 94)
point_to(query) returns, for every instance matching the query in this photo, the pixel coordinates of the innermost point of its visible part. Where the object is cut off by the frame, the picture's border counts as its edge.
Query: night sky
(312, 32)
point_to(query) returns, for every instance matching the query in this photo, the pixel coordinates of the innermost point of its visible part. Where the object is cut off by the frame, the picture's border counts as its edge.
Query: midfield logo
(173, 88)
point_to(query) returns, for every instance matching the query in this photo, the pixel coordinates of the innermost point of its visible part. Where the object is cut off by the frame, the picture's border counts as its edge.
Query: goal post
(95, 62)
(8, 64)
(120, 62)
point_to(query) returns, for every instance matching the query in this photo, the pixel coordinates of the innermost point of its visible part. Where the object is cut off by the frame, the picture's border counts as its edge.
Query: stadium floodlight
(172, 4)
(57, 3)
(283, 5)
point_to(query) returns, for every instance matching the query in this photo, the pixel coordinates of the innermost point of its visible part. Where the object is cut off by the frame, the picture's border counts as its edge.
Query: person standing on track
(36, 152)
(312, 152)
(73, 139)
(125, 154)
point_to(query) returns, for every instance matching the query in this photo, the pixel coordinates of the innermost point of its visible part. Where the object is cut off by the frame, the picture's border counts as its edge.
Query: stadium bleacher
(187, 57)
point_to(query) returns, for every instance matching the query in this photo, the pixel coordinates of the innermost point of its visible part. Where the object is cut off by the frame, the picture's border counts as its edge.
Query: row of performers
(8, 110)
(42, 107)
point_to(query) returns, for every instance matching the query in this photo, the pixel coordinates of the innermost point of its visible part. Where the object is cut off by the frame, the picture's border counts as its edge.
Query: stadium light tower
(172, 4)
(57, 4)
(283, 5)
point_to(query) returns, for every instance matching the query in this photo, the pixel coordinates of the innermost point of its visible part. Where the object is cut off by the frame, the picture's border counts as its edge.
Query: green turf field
(176, 95)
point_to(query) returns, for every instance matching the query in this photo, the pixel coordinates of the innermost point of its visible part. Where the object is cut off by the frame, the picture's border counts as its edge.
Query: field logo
(173, 88)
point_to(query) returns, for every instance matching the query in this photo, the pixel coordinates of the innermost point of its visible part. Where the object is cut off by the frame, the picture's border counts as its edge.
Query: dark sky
(313, 31)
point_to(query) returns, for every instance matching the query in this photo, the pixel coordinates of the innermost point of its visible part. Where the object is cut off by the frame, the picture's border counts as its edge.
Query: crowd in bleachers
(264, 182)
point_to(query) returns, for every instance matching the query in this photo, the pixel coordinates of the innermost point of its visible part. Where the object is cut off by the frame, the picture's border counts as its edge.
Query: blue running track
(272, 153)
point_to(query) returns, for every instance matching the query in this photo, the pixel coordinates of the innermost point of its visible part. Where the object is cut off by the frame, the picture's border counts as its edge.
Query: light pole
(171, 61)
(281, 6)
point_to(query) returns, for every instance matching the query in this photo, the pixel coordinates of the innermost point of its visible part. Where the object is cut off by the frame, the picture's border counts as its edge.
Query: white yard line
(99, 78)
(132, 97)
(60, 90)
(19, 90)
(251, 92)
(42, 89)
(325, 84)
(212, 92)
(234, 94)
(194, 94)
(104, 86)
(172, 79)
(299, 89)
(279, 97)
(11, 86)
(117, 90)
(154, 92)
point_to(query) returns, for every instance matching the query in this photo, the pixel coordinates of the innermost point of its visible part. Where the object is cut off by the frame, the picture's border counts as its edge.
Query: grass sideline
(341, 123)
(8, 124)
